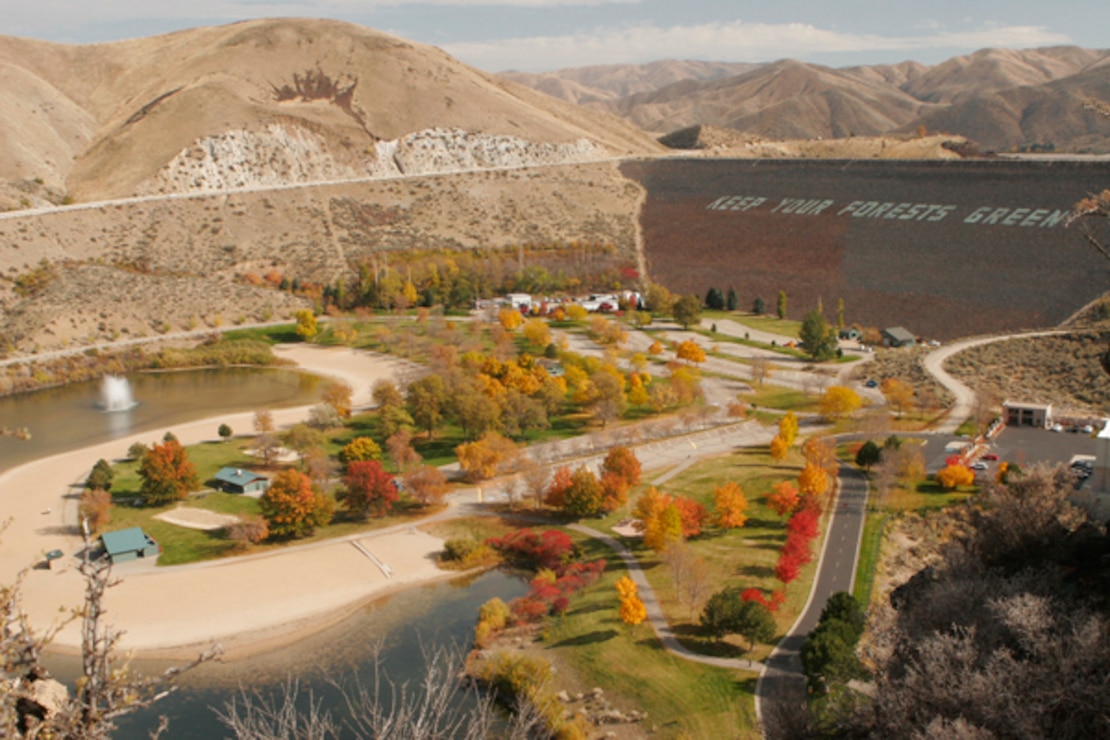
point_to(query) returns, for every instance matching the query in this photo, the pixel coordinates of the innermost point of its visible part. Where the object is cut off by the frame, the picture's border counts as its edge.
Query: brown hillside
(784, 100)
(138, 104)
(608, 82)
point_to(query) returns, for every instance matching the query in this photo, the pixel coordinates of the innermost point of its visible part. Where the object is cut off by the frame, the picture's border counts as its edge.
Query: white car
(978, 465)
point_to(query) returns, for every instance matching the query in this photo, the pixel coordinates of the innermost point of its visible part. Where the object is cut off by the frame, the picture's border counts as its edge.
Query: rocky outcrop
(290, 155)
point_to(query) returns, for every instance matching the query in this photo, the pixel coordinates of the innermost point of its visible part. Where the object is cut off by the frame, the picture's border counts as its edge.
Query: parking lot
(1027, 446)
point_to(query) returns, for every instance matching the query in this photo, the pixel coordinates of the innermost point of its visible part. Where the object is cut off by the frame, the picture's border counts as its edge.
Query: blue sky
(538, 35)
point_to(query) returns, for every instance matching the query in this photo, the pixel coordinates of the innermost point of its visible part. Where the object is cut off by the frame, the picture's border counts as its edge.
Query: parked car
(978, 465)
(1057, 428)
(872, 383)
(990, 456)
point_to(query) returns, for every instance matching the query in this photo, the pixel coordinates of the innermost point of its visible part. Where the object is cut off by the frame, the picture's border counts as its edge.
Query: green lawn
(282, 334)
(779, 397)
(683, 699)
(769, 323)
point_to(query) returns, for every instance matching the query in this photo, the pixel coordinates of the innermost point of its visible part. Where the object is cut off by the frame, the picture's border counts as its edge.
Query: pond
(407, 624)
(71, 417)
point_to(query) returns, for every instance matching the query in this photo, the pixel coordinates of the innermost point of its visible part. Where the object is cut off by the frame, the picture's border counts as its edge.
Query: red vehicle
(990, 456)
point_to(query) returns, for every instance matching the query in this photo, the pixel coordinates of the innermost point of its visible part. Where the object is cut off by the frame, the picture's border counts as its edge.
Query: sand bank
(246, 600)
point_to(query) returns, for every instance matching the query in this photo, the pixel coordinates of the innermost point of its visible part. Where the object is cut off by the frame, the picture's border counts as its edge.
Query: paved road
(781, 685)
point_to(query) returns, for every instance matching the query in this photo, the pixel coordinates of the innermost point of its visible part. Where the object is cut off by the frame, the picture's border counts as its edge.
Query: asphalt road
(781, 685)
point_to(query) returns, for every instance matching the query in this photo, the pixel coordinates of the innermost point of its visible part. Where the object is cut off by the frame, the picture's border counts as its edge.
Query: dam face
(944, 248)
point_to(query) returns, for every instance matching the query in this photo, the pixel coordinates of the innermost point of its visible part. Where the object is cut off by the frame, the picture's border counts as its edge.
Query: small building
(1018, 414)
(237, 480)
(850, 333)
(129, 544)
(519, 300)
(897, 336)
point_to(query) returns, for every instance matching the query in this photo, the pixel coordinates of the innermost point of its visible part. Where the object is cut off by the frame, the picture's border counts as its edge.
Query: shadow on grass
(590, 638)
(756, 571)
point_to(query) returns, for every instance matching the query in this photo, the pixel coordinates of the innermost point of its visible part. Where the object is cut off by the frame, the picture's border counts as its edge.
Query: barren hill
(606, 82)
(261, 98)
(1001, 98)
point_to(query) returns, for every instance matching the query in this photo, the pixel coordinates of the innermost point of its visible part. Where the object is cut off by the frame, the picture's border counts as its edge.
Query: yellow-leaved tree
(788, 428)
(731, 505)
(813, 481)
(838, 401)
(779, 448)
(690, 351)
(952, 476)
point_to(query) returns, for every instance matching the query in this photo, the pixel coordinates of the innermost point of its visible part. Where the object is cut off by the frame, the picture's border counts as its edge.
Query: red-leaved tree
(368, 490)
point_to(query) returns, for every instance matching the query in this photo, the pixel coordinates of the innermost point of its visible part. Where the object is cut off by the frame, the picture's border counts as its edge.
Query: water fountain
(115, 394)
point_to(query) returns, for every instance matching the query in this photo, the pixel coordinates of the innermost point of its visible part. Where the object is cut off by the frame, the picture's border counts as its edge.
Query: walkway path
(656, 618)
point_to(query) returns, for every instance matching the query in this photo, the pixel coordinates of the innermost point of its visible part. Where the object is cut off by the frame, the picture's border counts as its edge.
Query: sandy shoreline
(249, 604)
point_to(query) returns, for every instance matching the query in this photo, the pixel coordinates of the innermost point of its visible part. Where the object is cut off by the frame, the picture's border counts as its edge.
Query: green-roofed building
(237, 480)
(129, 544)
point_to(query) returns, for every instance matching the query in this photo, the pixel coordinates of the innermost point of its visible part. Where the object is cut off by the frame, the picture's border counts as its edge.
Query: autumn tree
(537, 333)
(838, 401)
(583, 497)
(306, 324)
(167, 474)
(817, 337)
(783, 498)
(813, 481)
(386, 393)
(687, 311)
(690, 575)
(788, 427)
(623, 462)
(898, 394)
(689, 351)
(483, 458)
(360, 449)
(301, 438)
(608, 400)
(821, 451)
(779, 448)
(250, 529)
(953, 475)
(555, 495)
(291, 506)
(263, 421)
(730, 505)
(401, 451)
(663, 528)
(337, 394)
(632, 610)
(368, 490)
(426, 484)
(510, 318)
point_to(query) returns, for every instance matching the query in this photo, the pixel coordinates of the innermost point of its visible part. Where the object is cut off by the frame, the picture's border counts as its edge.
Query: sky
(544, 35)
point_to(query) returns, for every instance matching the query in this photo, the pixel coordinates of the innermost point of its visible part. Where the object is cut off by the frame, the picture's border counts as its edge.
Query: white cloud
(736, 41)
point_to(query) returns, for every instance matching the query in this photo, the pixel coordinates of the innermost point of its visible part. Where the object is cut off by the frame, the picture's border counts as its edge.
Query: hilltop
(1002, 99)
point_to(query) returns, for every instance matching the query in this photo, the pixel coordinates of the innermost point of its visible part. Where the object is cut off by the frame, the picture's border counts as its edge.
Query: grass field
(683, 699)
(779, 397)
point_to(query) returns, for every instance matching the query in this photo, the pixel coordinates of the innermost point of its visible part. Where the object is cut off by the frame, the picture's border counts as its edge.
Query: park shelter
(129, 544)
(237, 480)
(897, 336)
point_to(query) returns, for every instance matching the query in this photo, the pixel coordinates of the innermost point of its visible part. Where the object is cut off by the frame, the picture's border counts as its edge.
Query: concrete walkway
(655, 616)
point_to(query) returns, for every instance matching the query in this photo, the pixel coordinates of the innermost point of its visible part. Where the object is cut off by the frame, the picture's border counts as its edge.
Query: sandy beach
(247, 602)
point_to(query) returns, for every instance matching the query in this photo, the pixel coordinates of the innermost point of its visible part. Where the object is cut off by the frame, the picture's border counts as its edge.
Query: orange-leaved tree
(167, 474)
(292, 507)
(731, 505)
(953, 475)
(813, 481)
(898, 394)
(482, 459)
(690, 351)
(623, 462)
(783, 498)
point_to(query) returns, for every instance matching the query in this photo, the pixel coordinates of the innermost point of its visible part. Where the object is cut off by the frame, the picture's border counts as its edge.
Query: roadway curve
(965, 397)
(781, 685)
